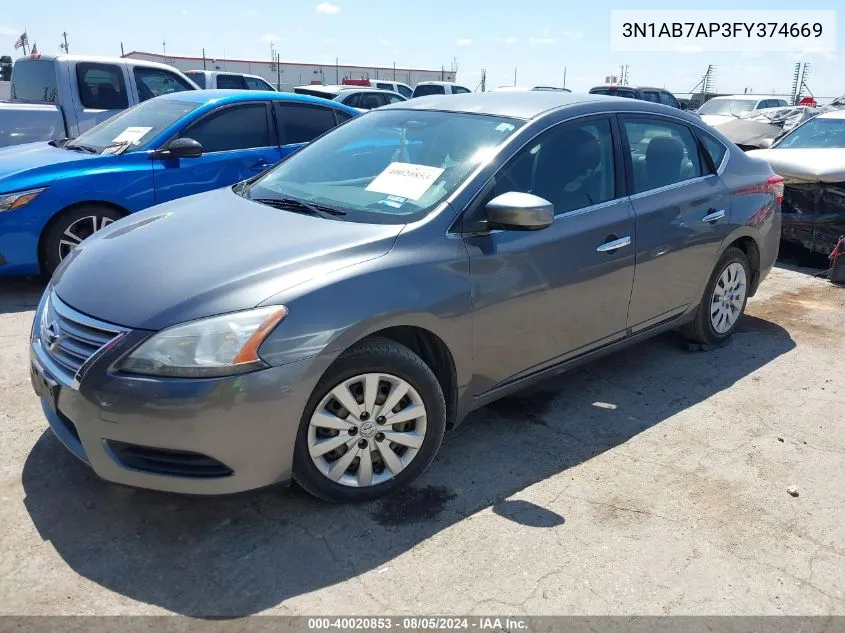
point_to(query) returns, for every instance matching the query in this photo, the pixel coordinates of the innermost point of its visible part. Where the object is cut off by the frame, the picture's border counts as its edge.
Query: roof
(99, 59)
(833, 114)
(627, 87)
(744, 97)
(220, 72)
(521, 105)
(219, 97)
(262, 61)
(438, 83)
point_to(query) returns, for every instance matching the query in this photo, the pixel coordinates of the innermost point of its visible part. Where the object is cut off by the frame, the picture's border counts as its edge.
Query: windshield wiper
(300, 206)
(82, 148)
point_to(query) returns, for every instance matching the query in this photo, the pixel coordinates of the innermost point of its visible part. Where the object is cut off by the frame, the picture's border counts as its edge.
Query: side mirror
(179, 148)
(684, 106)
(517, 211)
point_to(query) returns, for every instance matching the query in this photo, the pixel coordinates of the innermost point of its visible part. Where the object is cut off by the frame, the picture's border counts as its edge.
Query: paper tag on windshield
(115, 148)
(131, 135)
(405, 180)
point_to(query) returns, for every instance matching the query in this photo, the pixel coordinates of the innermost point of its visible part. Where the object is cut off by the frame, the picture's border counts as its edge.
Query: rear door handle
(615, 245)
(715, 216)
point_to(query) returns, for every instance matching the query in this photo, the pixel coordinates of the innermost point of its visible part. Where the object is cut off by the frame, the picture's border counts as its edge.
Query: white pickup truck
(215, 79)
(66, 95)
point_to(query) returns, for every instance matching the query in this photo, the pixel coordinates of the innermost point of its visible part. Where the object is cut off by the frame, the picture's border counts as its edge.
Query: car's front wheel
(724, 300)
(373, 424)
(69, 229)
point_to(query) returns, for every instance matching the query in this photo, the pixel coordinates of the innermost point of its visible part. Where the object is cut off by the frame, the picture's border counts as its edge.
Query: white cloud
(184, 12)
(464, 41)
(751, 54)
(384, 41)
(510, 39)
(573, 35)
(8, 30)
(330, 40)
(327, 7)
(691, 49)
(269, 37)
(541, 40)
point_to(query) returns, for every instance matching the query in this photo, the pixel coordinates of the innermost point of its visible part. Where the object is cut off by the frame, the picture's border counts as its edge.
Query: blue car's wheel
(69, 229)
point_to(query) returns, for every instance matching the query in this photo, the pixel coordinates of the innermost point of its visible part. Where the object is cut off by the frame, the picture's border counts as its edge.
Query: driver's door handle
(614, 245)
(714, 216)
(260, 165)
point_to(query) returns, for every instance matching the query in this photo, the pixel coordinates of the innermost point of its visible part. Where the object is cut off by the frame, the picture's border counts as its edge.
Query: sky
(538, 40)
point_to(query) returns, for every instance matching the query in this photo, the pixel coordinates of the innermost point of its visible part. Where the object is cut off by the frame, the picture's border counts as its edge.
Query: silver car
(328, 320)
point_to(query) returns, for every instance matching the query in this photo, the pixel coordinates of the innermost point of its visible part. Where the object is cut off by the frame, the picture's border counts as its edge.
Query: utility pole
(278, 72)
(483, 80)
(564, 76)
(394, 71)
(336, 70)
(122, 54)
(203, 59)
(514, 76)
(164, 49)
(64, 46)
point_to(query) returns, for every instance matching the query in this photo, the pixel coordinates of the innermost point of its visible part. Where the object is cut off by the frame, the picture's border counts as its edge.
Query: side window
(341, 116)
(650, 95)
(405, 91)
(383, 86)
(238, 127)
(101, 86)
(713, 147)
(662, 153)
(153, 82)
(197, 77)
(393, 99)
(571, 166)
(353, 100)
(459, 90)
(231, 82)
(370, 100)
(669, 100)
(254, 83)
(301, 123)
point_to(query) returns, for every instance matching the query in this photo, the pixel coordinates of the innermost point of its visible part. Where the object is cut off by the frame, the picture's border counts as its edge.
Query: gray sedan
(328, 320)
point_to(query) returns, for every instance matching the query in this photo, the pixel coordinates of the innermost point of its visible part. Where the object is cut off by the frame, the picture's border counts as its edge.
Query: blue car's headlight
(9, 201)
(217, 346)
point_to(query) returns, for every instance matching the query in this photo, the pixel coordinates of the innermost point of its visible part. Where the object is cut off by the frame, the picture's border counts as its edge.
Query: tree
(5, 68)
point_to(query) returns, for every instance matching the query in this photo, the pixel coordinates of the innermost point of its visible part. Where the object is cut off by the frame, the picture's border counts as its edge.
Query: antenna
(64, 46)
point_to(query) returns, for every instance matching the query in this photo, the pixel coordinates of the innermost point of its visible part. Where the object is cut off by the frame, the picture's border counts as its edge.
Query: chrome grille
(70, 338)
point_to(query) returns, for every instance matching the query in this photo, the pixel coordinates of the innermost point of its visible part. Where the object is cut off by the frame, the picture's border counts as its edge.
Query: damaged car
(811, 159)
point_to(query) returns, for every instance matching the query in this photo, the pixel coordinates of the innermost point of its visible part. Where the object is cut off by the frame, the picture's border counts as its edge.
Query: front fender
(426, 287)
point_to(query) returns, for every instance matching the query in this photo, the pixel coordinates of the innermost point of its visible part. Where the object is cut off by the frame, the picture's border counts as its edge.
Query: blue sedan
(54, 195)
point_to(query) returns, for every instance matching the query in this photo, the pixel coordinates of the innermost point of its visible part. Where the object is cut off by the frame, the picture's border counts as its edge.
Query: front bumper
(209, 436)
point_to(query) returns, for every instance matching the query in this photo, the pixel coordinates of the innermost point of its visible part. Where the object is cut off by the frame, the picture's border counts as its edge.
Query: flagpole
(25, 41)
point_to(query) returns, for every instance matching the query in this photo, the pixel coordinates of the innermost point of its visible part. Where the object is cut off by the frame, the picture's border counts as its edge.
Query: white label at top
(405, 179)
(131, 135)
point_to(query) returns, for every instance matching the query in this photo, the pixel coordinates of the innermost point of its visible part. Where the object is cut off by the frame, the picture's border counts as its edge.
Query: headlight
(217, 346)
(9, 201)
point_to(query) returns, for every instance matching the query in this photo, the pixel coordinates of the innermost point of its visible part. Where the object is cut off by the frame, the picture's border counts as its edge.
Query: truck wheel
(67, 230)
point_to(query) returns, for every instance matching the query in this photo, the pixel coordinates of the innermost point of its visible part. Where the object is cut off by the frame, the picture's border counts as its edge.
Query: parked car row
(327, 319)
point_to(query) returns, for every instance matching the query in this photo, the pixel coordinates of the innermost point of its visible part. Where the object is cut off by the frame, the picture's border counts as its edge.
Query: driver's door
(540, 297)
(238, 142)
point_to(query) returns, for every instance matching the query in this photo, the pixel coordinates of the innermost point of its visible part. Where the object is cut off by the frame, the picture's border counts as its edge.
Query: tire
(396, 363)
(703, 328)
(70, 228)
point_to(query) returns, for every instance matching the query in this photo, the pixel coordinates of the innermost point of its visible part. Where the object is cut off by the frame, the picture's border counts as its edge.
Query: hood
(746, 132)
(207, 254)
(36, 164)
(715, 120)
(805, 164)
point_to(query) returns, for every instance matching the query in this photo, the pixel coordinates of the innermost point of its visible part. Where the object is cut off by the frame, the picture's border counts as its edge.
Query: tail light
(775, 184)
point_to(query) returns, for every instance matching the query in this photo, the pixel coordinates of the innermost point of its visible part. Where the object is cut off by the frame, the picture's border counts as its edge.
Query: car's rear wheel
(724, 300)
(70, 229)
(373, 424)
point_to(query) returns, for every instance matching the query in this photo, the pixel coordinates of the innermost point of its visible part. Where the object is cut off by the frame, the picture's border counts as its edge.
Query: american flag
(22, 41)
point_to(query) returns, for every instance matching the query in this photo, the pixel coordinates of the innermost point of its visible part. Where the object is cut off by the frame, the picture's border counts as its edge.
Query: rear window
(34, 80)
(197, 77)
(614, 92)
(424, 91)
(231, 82)
(101, 86)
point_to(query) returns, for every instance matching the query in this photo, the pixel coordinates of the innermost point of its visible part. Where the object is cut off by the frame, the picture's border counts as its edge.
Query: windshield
(389, 166)
(34, 80)
(727, 107)
(815, 133)
(132, 128)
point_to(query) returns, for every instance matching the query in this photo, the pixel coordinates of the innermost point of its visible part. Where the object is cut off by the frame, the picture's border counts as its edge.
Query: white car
(720, 110)
(426, 88)
(211, 79)
(353, 96)
(393, 86)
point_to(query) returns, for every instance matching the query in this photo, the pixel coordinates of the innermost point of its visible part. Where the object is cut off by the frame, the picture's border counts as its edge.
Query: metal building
(286, 75)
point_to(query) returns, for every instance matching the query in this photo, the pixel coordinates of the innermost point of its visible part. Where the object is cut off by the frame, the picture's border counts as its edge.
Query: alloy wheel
(367, 429)
(79, 230)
